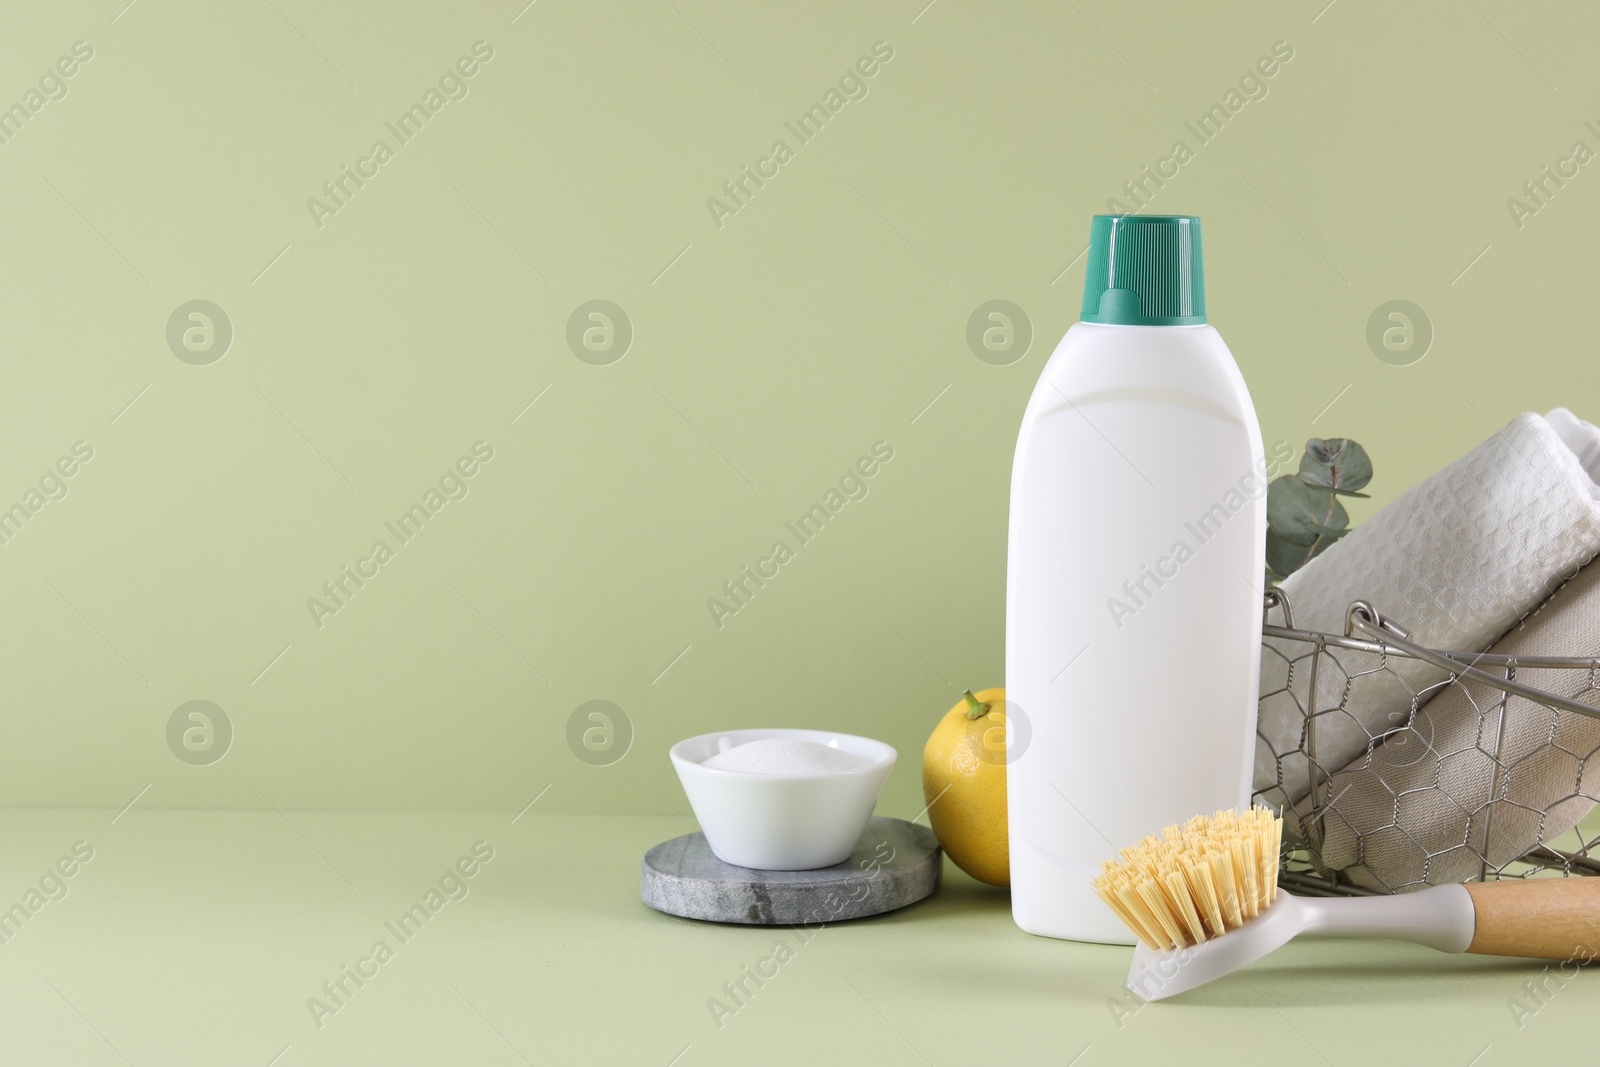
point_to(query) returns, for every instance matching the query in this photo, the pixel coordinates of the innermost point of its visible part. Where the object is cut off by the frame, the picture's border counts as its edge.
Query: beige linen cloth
(1429, 801)
(1457, 559)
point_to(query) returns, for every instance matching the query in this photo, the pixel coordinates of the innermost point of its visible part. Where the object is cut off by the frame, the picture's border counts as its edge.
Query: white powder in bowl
(785, 755)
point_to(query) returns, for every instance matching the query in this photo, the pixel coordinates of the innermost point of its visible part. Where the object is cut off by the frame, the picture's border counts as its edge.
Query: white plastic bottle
(1134, 578)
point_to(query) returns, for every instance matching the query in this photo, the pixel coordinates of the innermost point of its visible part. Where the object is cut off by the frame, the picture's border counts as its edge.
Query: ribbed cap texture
(1144, 270)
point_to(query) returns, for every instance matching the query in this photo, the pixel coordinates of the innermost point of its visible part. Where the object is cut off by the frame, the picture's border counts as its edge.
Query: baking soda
(783, 755)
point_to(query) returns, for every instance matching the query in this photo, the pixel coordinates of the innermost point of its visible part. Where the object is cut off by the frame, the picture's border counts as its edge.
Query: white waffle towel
(1457, 560)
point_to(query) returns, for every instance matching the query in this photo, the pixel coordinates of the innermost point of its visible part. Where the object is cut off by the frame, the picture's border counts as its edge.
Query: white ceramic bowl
(782, 822)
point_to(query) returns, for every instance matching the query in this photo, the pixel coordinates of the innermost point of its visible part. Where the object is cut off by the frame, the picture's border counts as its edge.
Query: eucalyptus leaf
(1338, 465)
(1285, 557)
(1328, 533)
(1302, 515)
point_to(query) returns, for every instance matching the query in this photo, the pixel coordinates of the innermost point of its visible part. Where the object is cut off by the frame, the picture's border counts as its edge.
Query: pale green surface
(196, 938)
(793, 338)
(824, 317)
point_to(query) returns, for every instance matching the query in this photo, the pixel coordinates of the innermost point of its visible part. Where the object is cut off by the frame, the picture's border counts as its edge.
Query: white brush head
(1441, 917)
(1157, 975)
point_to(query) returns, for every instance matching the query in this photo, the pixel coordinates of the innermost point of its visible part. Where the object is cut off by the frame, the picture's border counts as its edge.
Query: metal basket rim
(1385, 637)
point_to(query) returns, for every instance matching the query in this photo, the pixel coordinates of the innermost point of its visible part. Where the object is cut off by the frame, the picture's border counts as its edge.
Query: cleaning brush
(1196, 882)
(1203, 901)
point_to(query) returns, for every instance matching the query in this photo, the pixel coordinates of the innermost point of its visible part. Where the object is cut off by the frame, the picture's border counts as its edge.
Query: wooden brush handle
(1547, 918)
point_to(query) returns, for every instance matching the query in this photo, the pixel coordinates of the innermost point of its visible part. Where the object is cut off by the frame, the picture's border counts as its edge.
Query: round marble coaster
(896, 863)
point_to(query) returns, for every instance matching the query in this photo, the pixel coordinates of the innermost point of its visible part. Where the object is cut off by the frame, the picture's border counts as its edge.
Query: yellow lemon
(964, 784)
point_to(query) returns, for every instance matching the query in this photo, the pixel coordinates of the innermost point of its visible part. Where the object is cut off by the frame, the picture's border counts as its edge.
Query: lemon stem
(976, 709)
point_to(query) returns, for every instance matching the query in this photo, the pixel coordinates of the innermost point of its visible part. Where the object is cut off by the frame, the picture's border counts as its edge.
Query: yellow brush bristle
(1197, 882)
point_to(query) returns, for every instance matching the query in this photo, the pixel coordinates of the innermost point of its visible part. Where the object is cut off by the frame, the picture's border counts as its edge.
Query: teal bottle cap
(1144, 270)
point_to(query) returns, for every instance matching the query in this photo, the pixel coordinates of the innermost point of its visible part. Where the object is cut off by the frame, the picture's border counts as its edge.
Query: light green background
(768, 354)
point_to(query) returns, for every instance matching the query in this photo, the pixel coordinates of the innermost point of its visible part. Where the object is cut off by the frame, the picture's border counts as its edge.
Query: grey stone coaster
(896, 863)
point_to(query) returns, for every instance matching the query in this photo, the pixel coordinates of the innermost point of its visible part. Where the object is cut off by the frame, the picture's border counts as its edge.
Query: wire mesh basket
(1481, 777)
